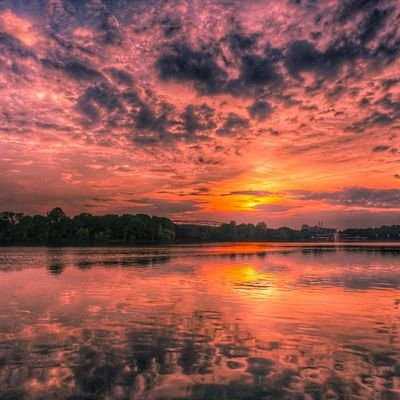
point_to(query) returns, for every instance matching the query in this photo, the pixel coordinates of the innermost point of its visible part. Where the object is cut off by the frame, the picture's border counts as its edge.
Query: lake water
(223, 322)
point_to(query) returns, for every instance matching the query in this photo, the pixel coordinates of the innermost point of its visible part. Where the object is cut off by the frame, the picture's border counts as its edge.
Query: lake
(220, 321)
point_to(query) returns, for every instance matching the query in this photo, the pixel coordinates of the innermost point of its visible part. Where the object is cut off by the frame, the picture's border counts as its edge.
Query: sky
(286, 111)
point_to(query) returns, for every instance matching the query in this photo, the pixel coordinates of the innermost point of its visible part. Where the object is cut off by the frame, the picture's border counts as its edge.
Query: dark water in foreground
(246, 321)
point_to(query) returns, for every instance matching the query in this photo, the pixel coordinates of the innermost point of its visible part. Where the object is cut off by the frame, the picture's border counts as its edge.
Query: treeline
(233, 232)
(383, 233)
(57, 228)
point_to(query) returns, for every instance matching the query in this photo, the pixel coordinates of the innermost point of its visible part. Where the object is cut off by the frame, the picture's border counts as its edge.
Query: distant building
(320, 233)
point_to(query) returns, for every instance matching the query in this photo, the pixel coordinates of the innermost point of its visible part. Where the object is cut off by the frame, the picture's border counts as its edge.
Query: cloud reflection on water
(158, 323)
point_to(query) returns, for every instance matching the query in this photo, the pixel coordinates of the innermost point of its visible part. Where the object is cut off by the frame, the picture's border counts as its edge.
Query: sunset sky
(285, 111)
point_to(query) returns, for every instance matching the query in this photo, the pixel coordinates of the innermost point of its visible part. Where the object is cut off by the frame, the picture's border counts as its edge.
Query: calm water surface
(252, 321)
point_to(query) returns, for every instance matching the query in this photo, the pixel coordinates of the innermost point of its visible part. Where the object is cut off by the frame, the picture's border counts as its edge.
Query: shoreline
(205, 243)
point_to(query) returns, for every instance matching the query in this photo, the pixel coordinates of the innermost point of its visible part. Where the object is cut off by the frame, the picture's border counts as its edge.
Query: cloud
(347, 9)
(13, 46)
(354, 197)
(260, 110)
(110, 28)
(147, 120)
(303, 56)
(121, 77)
(164, 207)
(233, 125)
(182, 63)
(255, 193)
(169, 96)
(198, 118)
(255, 72)
(240, 42)
(98, 97)
(277, 209)
(76, 69)
(204, 69)
(273, 132)
(380, 148)
(377, 118)
(373, 23)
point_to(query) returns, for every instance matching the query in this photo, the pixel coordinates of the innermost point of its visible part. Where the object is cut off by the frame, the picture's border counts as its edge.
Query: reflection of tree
(55, 261)
(55, 268)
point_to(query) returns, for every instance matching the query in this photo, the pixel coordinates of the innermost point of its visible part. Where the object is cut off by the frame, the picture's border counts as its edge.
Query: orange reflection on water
(208, 322)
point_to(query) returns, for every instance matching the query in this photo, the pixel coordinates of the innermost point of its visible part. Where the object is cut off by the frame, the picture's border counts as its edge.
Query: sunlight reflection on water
(248, 321)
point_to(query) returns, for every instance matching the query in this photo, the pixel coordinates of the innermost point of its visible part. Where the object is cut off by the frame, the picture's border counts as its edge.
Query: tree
(82, 234)
(56, 216)
(261, 230)
(57, 222)
(228, 232)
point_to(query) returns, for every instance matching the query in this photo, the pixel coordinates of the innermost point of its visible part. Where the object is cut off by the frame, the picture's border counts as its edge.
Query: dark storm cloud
(260, 110)
(233, 125)
(182, 63)
(354, 197)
